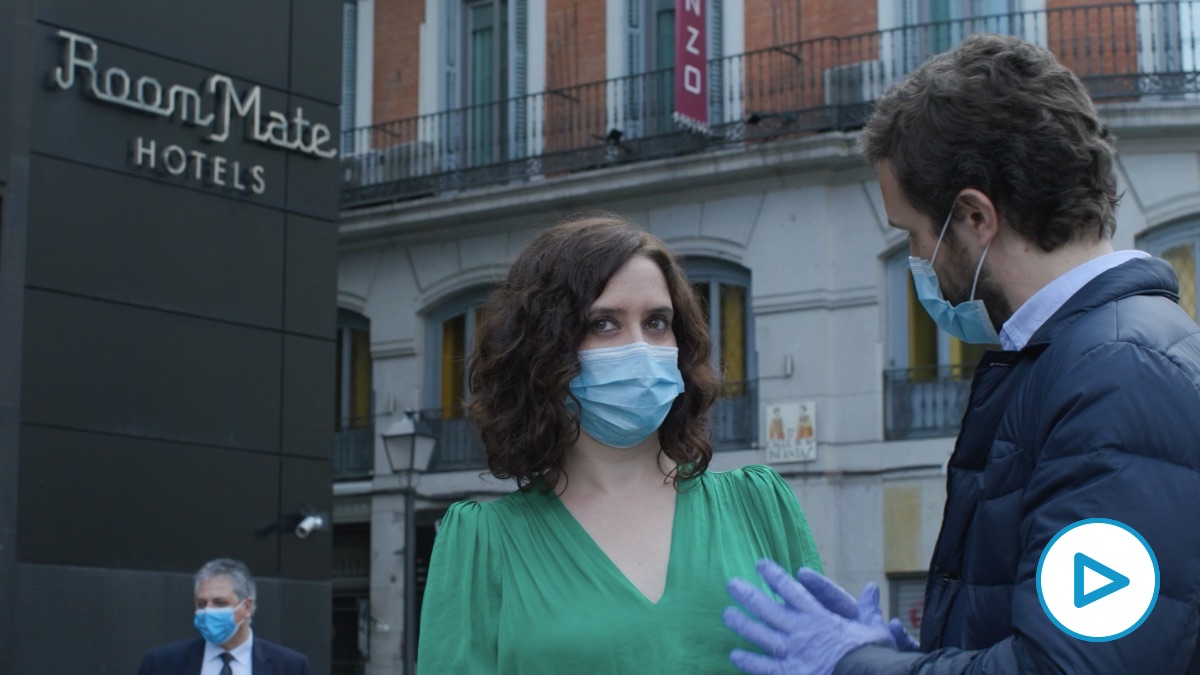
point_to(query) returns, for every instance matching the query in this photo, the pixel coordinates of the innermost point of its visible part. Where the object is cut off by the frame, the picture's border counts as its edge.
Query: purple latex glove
(800, 636)
(904, 641)
(865, 610)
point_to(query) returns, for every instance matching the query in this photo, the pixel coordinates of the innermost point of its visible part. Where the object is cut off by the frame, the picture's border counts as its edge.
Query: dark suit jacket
(184, 658)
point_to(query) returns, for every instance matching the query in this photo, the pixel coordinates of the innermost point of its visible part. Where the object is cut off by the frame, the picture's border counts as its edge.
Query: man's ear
(979, 213)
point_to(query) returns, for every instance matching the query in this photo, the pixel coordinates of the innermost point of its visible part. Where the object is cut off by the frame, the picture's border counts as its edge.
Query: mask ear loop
(942, 234)
(977, 269)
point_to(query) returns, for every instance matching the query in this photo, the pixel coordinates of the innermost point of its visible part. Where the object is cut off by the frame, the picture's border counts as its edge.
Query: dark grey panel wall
(148, 374)
(8, 82)
(311, 276)
(130, 503)
(308, 403)
(12, 270)
(317, 64)
(109, 616)
(173, 249)
(170, 335)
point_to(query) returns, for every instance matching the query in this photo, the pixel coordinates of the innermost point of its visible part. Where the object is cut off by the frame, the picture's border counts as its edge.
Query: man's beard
(955, 281)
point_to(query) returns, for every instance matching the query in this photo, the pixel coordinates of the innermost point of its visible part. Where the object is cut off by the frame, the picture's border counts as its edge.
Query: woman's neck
(595, 469)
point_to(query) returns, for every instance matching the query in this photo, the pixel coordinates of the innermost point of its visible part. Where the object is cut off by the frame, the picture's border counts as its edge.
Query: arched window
(353, 370)
(723, 289)
(1180, 246)
(450, 333)
(353, 455)
(449, 338)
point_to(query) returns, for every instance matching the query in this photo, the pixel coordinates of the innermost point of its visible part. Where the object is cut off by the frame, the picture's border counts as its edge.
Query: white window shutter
(518, 77)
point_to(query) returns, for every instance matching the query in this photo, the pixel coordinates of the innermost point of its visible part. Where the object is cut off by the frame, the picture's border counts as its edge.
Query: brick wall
(575, 55)
(397, 59)
(575, 42)
(781, 22)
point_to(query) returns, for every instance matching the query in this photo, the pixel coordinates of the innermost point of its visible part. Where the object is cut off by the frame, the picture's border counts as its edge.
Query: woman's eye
(602, 325)
(658, 323)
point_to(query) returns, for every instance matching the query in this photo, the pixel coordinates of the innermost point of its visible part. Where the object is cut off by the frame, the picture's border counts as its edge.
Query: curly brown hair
(1000, 115)
(527, 342)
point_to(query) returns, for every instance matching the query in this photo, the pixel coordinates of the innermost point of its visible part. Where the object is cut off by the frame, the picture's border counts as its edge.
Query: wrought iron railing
(1123, 52)
(733, 424)
(734, 420)
(926, 401)
(354, 450)
(458, 447)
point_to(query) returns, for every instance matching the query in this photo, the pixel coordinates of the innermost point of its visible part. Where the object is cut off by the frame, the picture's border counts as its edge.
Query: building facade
(473, 125)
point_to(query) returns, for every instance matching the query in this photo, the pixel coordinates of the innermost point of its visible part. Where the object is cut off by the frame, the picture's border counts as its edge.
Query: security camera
(309, 525)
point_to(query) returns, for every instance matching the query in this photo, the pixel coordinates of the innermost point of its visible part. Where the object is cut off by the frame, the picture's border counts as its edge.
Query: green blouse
(518, 586)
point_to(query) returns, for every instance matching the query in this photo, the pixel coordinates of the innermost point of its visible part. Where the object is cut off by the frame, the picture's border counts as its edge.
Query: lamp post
(408, 451)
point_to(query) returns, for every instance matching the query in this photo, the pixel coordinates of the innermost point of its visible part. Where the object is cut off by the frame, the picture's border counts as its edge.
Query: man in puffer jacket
(995, 162)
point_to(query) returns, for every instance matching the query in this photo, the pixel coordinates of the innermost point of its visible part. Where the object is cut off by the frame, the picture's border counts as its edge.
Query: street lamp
(408, 451)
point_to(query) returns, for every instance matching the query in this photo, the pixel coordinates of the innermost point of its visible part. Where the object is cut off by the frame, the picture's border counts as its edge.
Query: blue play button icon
(1084, 564)
(1079, 593)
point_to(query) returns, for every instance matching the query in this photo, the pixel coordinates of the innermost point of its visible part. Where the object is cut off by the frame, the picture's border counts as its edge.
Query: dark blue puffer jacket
(1097, 417)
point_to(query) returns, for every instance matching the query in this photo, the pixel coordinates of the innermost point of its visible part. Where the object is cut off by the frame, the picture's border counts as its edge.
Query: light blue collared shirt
(1030, 316)
(242, 663)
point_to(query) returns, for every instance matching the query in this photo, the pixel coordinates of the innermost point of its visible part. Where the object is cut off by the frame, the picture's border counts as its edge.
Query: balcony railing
(734, 419)
(354, 450)
(459, 448)
(925, 402)
(1123, 52)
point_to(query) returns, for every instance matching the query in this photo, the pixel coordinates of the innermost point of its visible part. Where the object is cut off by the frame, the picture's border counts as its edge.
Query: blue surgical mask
(626, 392)
(968, 321)
(216, 624)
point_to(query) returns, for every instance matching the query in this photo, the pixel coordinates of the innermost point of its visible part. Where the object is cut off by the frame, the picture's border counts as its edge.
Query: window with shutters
(723, 290)
(938, 25)
(450, 334)
(449, 339)
(485, 74)
(349, 72)
(354, 424)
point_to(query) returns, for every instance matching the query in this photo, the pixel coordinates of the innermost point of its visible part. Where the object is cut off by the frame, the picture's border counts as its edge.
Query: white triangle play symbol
(1093, 580)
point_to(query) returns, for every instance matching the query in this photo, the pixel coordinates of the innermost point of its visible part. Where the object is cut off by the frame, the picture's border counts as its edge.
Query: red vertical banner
(691, 65)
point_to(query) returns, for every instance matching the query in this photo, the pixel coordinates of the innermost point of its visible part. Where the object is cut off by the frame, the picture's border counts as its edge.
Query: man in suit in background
(225, 602)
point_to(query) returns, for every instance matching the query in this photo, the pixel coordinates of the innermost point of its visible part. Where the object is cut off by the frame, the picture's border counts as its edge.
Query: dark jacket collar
(193, 657)
(1140, 276)
(262, 658)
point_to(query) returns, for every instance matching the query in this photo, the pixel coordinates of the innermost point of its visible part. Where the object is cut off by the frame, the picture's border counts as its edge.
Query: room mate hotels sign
(215, 106)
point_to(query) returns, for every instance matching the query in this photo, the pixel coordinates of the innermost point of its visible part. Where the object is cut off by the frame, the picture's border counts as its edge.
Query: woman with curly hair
(590, 385)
